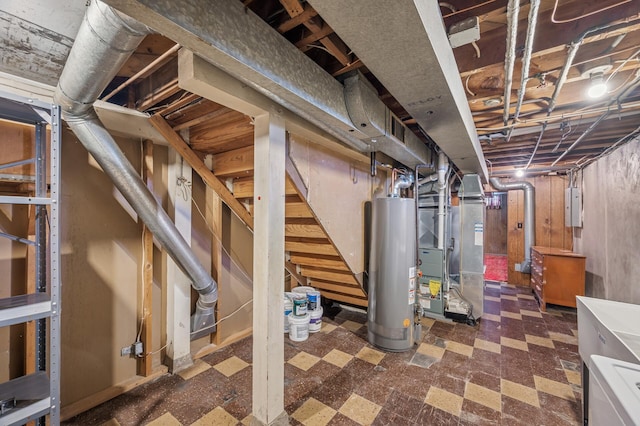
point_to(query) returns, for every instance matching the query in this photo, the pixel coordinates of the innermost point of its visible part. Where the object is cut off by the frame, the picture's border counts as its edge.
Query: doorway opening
(495, 237)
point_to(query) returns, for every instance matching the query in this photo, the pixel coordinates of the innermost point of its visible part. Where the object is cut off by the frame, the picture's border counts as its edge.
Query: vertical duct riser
(472, 214)
(529, 218)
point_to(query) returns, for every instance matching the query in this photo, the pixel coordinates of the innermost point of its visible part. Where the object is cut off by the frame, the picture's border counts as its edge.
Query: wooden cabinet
(557, 276)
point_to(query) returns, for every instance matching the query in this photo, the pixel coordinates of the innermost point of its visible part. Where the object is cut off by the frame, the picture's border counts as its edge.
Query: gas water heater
(392, 274)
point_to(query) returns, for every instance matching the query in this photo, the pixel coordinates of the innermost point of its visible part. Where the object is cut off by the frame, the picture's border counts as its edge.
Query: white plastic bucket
(298, 328)
(315, 320)
(313, 296)
(288, 307)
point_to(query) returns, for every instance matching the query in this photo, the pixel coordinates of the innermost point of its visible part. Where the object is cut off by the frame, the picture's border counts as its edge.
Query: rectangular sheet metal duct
(237, 41)
(404, 44)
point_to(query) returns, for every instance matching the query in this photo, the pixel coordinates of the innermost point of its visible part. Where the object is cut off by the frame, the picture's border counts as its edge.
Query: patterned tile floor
(518, 366)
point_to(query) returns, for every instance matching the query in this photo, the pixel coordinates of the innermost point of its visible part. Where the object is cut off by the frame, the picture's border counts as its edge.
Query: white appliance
(614, 392)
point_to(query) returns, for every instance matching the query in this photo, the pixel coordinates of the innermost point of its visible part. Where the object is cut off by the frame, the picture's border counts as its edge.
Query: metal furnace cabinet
(557, 276)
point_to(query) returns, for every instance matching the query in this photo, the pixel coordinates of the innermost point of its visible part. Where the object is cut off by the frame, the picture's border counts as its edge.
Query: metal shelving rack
(33, 396)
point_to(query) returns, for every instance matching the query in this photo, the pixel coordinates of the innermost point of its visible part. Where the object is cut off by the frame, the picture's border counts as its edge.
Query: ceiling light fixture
(519, 173)
(595, 73)
(598, 87)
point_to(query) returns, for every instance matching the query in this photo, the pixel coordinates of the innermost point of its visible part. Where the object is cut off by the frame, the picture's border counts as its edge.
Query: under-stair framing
(224, 138)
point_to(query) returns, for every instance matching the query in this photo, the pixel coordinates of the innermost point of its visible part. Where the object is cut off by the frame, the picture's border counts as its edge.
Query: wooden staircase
(227, 136)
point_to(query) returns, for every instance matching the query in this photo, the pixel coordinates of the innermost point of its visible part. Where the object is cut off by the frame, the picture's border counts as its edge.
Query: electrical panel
(573, 207)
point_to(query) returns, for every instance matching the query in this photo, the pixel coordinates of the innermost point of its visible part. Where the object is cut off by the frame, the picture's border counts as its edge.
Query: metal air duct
(104, 42)
(234, 39)
(529, 217)
(384, 131)
(416, 65)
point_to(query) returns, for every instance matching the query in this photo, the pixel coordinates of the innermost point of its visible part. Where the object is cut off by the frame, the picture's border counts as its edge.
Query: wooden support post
(214, 217)
(177, 285)
(268, 273)
(145, 298)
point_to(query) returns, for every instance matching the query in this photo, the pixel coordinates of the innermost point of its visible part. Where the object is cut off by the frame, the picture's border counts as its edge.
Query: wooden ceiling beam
(303, 17)
(550, 36)
(218, 139)
(179, 104)
(235, 163)
(208, 117)
(304, 43)
(320, 31)
(467, 9)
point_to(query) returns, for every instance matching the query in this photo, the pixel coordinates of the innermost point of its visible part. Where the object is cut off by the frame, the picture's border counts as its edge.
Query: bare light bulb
(519, 173)
(598, 87)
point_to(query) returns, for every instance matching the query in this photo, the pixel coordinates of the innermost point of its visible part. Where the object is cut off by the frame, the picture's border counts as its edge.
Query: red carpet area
(496, 267)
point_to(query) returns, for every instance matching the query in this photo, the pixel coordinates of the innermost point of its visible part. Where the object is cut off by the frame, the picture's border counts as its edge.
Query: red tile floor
(517, 366)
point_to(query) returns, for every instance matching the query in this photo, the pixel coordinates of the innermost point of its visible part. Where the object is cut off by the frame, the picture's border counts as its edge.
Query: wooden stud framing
(145, 308)
(198, 165)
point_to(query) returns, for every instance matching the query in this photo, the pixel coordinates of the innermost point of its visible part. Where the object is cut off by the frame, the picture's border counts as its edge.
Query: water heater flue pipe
(104, 42)
(529, 217)
(401, 182)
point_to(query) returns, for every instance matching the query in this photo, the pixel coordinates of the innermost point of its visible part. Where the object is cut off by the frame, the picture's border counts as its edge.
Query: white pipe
(431, 178)
(526, 57)
(513, 9)
(443, 166)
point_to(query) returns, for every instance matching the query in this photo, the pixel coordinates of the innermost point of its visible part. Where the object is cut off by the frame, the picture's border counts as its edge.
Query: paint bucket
(299, 302)
(288, 307)
(313, 296)
(298, 328)
(315, 320)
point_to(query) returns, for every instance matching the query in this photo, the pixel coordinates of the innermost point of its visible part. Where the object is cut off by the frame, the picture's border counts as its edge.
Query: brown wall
(101, 253)
(549, 218)
(495, 236)
(17, 144)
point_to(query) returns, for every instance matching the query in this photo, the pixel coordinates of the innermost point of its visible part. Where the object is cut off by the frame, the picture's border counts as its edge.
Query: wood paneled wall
(549, 218)
(495, 225)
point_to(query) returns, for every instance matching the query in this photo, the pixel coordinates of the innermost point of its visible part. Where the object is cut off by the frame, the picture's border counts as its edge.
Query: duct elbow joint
(208, 295)
(525, 267)
(403, 181)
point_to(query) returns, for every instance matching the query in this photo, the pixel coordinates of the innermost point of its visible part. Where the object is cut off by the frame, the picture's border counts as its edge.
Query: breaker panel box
(573, 207)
